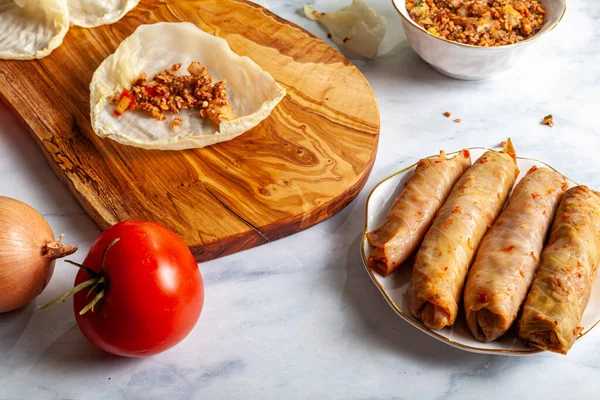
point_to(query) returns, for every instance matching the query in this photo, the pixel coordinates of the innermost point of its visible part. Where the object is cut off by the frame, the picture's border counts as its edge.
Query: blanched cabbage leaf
(252, 92)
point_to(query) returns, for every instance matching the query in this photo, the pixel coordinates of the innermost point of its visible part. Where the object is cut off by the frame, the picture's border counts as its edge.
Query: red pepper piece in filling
(150, 91)
(156, 91)
(126, 102)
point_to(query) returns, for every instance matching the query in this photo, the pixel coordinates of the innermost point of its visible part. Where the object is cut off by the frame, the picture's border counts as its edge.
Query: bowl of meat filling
(476, 39)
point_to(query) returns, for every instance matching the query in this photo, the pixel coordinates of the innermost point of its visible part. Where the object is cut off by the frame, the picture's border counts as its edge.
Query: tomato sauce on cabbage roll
(414, 209)
(561, 289)
(449, 246)
(509, 254)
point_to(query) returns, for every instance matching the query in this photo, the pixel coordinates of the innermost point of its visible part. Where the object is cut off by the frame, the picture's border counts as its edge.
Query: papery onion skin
(28, 251)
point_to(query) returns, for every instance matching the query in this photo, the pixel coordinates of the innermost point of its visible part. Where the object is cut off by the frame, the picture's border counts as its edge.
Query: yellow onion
(27, 253)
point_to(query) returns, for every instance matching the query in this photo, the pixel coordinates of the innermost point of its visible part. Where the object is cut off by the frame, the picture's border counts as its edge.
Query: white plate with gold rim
(394, 288)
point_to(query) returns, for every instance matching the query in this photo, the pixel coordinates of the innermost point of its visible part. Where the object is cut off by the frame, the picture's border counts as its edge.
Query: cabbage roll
(414, 209)
(509, 254)
(561, 289)
(446, 253)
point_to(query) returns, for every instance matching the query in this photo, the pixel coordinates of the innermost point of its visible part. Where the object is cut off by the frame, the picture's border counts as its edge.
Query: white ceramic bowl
(394, 287)
(468, 62)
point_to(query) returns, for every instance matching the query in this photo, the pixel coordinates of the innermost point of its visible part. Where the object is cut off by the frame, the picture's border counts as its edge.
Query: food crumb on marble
(548, 120)
(458, 120)
(447, 114)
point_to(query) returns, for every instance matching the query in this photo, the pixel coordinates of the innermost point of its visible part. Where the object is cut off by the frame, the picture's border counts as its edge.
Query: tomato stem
(90, 306)
(71, 292)
(104, 254)
(97, 281)
(93, 274)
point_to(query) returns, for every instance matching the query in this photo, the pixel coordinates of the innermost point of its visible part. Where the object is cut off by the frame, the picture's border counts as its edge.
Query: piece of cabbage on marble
(357, 26)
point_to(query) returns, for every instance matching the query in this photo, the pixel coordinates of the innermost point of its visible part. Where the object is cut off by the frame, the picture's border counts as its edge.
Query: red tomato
(154, 293)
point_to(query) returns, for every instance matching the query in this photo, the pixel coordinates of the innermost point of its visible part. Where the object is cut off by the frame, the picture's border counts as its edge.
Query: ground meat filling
(479, 22)
(170, 92)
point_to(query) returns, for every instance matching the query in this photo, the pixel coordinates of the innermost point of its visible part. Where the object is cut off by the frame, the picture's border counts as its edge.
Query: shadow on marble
(12, 326)
(402, 64)
(386, 329)
(72, 352)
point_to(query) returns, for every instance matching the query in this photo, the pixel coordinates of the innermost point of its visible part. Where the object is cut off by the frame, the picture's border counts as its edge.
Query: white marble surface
(300, 318)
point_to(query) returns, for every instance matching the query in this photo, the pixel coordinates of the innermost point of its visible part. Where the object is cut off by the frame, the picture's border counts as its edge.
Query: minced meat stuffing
(479, 22)
(170, 92)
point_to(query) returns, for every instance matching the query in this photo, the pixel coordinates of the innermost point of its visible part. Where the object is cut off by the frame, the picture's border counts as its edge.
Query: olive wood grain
(301, 165)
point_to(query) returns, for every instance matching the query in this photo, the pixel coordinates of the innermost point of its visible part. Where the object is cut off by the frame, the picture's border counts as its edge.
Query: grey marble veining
(299, 318)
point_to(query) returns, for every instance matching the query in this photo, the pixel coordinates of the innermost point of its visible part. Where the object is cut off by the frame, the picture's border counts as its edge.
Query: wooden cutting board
(303, 164)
